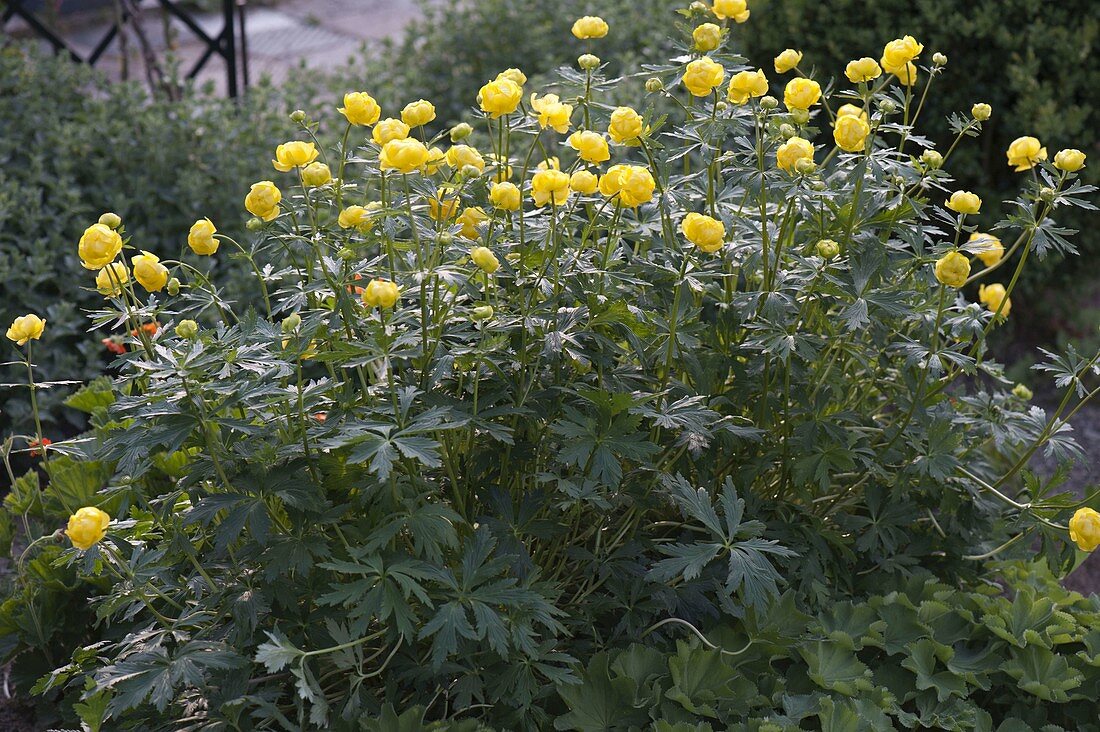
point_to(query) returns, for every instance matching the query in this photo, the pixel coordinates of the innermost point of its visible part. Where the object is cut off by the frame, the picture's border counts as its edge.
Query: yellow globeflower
(381, 293)
(590, 26)
(746, 85)
(990, 249)
(360, 109)
(99, 245)
(357, 217)
(707, 37)
(862, 69)
(389, 129)
(294, 154)
(850, 132)
(1070, 160)
(952, 269)
(505, 196)
(900, 52)
(584, 182)
(87, 527)
(1084, 529)
(484, 259)
(436, 158)
(149, 272)
(793, 150)
(26, 328)
(801, 93)
(201, 237)
(626, 126)
(459, 156)
(552, 112)
(590, 146)
(907, 74)
(418, 113)
(1025, 152)
(995, 298)
(702, 75)
(787, 60)
(404, 156)
(981, 111)
(263, 200)
(729, 8)
(514, 75)
(316, 174)
(551, 163)
(550, 186)
(964, 202)
(502, 170)
(470, 219)
(500, 97)
(110, 279)
(851, 110)
(633, 184)
(703, 231)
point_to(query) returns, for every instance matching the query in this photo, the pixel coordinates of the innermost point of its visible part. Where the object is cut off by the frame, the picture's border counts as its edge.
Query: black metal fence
(230, 43)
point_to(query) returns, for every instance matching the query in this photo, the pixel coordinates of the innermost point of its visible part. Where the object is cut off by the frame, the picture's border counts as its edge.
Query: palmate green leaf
(702, 682)
(850, 625)
(1040, 672)
(923, 658)
(599, 702)
(835, 668)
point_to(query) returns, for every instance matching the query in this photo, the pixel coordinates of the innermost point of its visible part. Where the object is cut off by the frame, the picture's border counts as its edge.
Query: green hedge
(75, 145)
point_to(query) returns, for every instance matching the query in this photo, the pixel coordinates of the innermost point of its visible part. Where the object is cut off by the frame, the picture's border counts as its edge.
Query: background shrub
(75, 145)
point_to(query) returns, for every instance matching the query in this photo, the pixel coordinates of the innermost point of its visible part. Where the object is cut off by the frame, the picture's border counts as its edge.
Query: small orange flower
(114, 345)
(150, 328)
(35, 444)
(321, 417)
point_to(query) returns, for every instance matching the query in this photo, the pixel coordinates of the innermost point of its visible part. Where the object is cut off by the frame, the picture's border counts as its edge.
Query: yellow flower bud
(111, 220)
(505, 196)
(827, 248)
(932, 159)
(316, 174)
(461, 131)
(952, 269)
(360, 109)
(787, 60)
(500, 97)
(294, 154)
(793, 150)
(418, 113)
(703, 231)
(801, 93)
(87, 527)
(291, 323)
(110, 279)
(201, 237)
(964, 202)
(746, 85)
(484, 259)
(404, 156)
(263, 199)
(584, 182)
(653, 85)
(389, 129)
(187, 329)
(26, 328)
(590, 26)
(590, 146)
(707, 37)
(1070, 160)
(588, 62)
(1084, 529)
(99, 245)
(988, 247)
(862, 70)
(149, 272)
(1025, 152)
(1020, 391)
(357, 217)
(381, 293)
(550, 186)
(482, 312)
(981, 111)
(995, 299)
(702, 75)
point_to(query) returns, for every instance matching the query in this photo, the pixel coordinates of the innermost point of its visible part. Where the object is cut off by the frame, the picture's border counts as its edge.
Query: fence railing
(230, 43)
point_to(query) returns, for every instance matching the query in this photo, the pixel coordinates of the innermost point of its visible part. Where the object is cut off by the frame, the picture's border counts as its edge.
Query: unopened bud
(187, 329)
(818, 185)
(787, 131)
(291, 322)
(174, 286)
(298, 116)
(653, 84)
(588, 62)
(111, 220)
(932, 159)
(721, 106)
(699, 8)
(482, 312)
(805, 166)
(461, 131)
(446, 238)
(254, 224)
(469, 171)
(888, 106)
(768, 102)
(1021, 391)
(827, 249)
(800, 116)
(1047, 194)
(981, 111)
(939, 59)
(346, 253)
